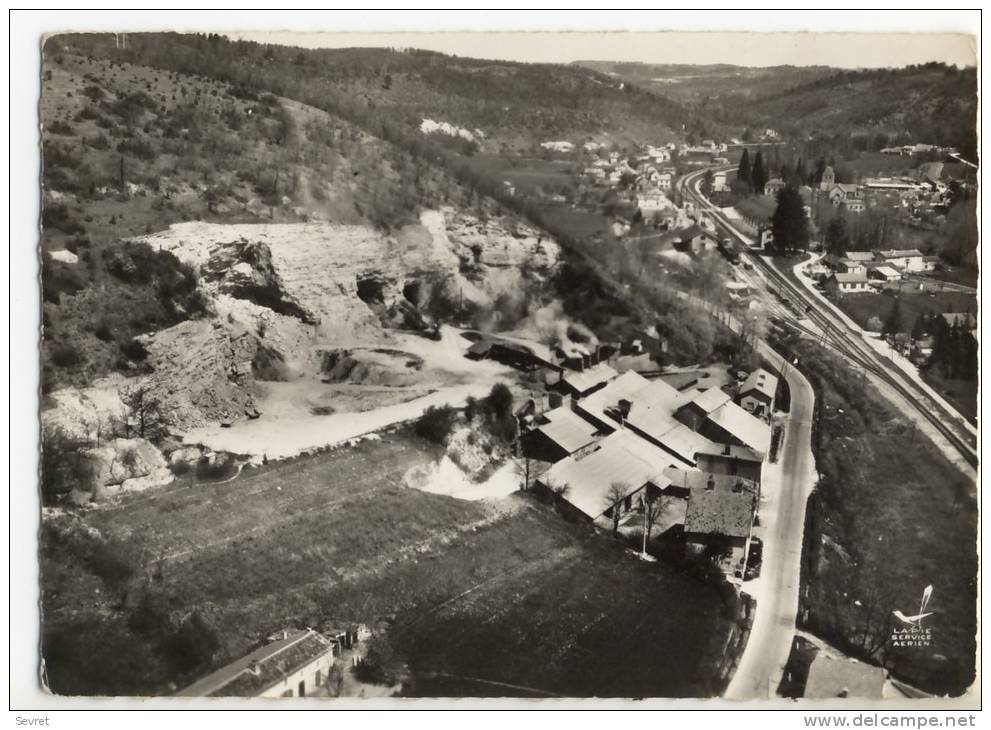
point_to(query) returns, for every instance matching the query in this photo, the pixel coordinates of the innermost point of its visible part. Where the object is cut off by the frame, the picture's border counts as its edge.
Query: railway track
(843, 340)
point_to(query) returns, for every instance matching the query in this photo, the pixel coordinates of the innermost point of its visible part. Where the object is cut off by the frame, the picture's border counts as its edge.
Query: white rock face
(429, 126)
(284, 293)
(65, 256)
(127, 464)
(83, 412)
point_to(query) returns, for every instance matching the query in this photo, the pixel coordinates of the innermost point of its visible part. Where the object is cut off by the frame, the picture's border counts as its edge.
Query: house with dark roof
(292, 665)
(757, 393)
(694, 239)
(719, 517)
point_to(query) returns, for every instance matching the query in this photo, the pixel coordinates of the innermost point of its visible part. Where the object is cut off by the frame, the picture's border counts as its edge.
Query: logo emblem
(916, 621)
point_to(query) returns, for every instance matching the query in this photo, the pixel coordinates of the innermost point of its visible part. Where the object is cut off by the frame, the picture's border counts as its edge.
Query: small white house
(841, 284)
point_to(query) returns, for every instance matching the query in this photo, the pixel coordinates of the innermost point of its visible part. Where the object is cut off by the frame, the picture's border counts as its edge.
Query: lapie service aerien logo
(913, 631)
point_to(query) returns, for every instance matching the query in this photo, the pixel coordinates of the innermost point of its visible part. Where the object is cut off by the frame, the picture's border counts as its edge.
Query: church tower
(828, 179)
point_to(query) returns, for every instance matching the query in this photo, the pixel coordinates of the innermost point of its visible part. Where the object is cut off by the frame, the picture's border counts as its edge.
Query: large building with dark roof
(719, 517)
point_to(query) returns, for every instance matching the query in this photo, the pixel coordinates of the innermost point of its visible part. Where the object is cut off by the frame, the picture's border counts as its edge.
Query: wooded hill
(861, 109)
(512, 104)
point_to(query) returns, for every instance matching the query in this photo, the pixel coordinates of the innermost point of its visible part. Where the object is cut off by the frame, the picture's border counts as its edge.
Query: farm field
(171, 583)
(889, 516)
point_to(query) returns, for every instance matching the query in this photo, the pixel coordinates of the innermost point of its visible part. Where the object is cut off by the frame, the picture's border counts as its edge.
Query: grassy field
(527, 173)
(861, 307)
(580, 224)
(144, 597)
(889, 516)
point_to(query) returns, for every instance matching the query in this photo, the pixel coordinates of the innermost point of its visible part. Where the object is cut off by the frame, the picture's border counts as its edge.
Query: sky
(844, 50)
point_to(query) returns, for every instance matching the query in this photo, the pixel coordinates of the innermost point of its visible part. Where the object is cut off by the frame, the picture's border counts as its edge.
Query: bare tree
(614, 496)
(142, 405)
(653, 510)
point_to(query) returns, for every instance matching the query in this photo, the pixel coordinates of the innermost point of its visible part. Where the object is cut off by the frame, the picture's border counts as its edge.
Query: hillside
(130, 150)
(695, 85)
(931, 103)
(482, 104)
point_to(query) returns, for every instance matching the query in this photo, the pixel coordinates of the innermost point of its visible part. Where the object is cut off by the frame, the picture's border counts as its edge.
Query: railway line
(841, 338)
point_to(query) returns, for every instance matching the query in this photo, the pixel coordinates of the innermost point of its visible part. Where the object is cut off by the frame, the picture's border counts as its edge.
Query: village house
(695, 240)
(557, 434)
(841, 193)
(595, 172)
(910, 260)
(861, 257)
(633, 430)
(719, 182)
(293, 665)
(884, 274)
(765, 237)
(847, 265)
(757, 393)
(719, 517)
(855, 205)
(840, 284)
(613, 476)
(663, 180)
(650, 201)
(558, 146)
(772, 186)
(729, 459)
(731, 424)
(588, 379)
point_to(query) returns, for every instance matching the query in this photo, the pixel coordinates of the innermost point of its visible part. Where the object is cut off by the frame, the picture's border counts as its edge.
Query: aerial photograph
(382, 369)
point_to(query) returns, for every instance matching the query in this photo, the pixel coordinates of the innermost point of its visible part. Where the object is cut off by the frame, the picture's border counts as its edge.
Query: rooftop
(584, 380)
(567, 429)
(860, 276)
(762, 381)
(887, 272)
(651, 408)
(748, 429)
(263, 668)
(620, 458)
(718, 504)
(728, 451)
(900, 253)
(710, 399)
(862, 256)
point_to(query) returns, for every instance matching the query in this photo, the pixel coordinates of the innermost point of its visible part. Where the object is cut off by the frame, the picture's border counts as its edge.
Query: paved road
(786, 486)
(782, 526)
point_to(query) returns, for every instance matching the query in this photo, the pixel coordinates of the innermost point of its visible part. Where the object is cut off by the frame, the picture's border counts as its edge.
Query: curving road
(785, 490)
